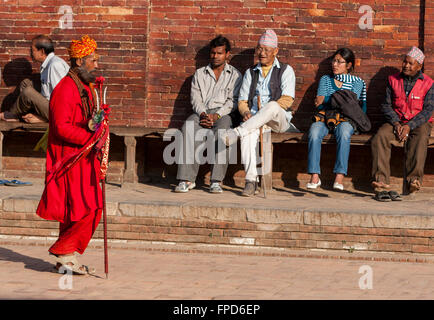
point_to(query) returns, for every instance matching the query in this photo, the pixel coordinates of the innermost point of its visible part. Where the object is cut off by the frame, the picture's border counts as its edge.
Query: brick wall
(429, 37)
(240, 227)
(309, 32)
(119, 27)
(151, 48)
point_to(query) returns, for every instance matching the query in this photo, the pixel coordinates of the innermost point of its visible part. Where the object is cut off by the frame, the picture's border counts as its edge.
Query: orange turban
(82, 48)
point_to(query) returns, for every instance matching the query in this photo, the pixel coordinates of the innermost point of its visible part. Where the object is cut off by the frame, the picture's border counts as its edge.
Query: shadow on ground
(32, 263)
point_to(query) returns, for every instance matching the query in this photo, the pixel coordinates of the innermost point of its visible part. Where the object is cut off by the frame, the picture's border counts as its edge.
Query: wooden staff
(105, 229)
(104, 208)
(261, 141)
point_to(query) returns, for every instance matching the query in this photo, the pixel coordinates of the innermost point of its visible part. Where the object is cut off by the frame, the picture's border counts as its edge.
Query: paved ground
(152, 272)
(147, 271)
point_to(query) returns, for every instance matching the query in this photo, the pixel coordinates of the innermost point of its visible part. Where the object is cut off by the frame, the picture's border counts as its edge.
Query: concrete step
(287, 218)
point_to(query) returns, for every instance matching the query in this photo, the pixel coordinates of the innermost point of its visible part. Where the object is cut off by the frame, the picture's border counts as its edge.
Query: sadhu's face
(90, 63)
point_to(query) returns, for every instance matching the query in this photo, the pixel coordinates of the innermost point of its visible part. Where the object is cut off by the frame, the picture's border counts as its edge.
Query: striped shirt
(327, 87)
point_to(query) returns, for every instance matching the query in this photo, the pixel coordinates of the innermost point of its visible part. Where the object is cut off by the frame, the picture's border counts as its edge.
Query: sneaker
(338, 186)
(311, 185)
(249, 188)
(185, 186)
(215, 188)
(229, 136)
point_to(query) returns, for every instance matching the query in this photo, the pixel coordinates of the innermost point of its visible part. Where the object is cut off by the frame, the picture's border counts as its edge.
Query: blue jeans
(318, 130)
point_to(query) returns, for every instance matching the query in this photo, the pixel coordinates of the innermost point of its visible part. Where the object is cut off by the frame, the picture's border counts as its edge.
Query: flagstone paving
(158, 271)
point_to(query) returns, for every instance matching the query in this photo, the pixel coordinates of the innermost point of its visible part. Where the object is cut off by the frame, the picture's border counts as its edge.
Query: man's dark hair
(348, 56)
(73, 62)
(43, 42)
(220, 41)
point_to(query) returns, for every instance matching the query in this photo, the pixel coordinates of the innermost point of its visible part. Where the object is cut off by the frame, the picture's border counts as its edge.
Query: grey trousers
(187, 171)
(30, 101)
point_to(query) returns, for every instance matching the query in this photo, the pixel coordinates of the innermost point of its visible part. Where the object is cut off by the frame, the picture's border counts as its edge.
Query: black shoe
(249, 189)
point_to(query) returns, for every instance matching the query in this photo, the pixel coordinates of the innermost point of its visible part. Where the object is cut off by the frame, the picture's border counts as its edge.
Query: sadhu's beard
(85, 76)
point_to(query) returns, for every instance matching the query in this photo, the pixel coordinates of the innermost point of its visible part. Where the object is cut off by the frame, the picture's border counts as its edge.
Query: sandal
(382, 196)
(71, 263)
(394, 196)
(17, 183)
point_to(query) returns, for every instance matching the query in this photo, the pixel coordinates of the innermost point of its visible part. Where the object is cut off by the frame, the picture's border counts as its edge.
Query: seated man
(274, 82)
(32, 106)
(408, 109)
(214, 95)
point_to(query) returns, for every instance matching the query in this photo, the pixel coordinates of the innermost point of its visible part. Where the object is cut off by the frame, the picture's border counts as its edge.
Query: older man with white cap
(274, 83)
(408, 110)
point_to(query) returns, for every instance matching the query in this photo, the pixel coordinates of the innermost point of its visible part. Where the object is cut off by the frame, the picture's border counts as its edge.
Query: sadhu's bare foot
(32, 118)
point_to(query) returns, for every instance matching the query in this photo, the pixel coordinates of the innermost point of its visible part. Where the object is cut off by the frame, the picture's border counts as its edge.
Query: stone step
(285, 219)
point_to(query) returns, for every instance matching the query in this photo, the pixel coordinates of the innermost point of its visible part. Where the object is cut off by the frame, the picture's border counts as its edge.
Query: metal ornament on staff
(261, 141)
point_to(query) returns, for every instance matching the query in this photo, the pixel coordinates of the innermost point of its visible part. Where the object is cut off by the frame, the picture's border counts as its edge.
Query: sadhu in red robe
(72, 193)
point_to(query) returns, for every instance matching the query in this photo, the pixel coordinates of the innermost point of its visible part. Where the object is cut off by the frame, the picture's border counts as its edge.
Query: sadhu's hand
(91, 125)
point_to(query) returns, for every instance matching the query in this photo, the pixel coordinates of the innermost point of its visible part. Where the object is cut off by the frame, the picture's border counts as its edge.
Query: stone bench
(302, 137)
(129, 133)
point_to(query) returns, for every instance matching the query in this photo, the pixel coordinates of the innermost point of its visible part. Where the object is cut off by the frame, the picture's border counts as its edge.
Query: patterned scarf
(349, 81)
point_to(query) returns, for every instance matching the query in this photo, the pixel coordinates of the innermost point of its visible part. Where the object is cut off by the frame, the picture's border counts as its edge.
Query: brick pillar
(429, 41)
(429, 38)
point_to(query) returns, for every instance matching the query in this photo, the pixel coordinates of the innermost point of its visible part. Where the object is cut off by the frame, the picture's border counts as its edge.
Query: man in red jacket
(408, 109)
(72, 192)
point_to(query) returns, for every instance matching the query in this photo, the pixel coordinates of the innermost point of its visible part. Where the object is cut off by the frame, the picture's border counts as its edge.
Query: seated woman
(342, 64)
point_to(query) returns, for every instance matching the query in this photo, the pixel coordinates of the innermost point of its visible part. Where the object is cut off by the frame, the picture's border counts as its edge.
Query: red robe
(76, 196)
